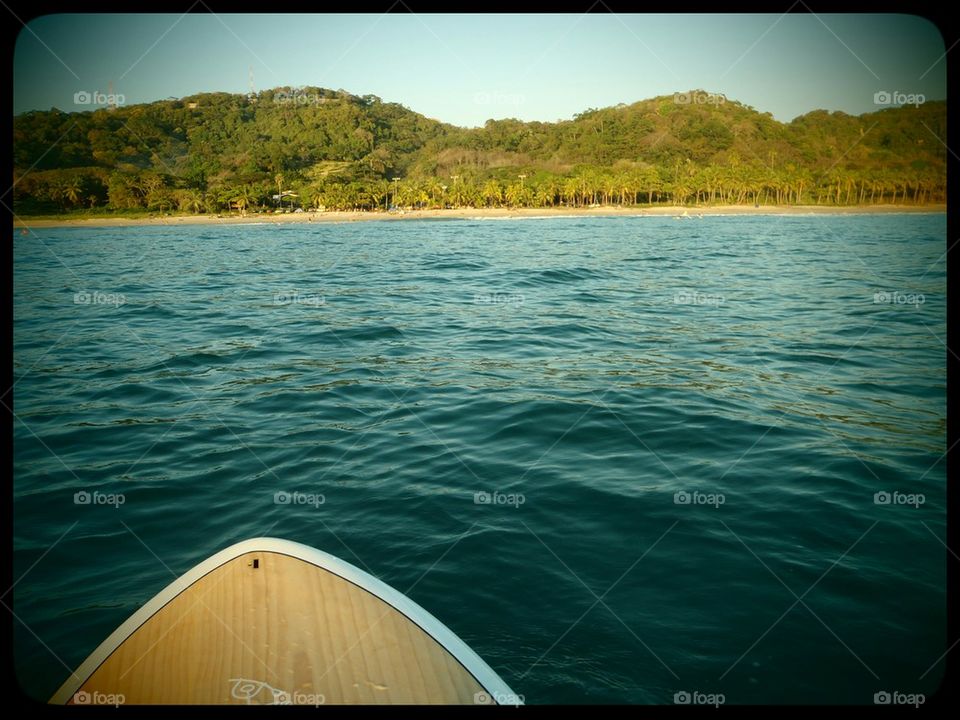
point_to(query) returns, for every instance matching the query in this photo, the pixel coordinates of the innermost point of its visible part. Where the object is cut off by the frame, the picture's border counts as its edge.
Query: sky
(466, 69)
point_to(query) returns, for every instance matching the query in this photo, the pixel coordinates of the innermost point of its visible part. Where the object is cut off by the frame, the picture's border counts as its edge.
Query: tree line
(218, 153)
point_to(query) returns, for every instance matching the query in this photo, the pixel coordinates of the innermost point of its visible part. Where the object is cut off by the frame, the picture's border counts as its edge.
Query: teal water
(593, 373)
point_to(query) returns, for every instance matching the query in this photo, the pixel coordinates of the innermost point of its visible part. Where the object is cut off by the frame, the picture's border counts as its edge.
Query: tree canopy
(321, 148)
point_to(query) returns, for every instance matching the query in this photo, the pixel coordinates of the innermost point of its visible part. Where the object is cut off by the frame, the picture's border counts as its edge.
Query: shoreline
(475, 214)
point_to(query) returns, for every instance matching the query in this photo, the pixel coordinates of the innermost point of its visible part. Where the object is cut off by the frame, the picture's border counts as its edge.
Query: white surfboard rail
(497, 689)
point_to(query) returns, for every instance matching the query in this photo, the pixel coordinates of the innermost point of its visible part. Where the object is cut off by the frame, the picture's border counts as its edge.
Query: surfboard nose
(270, 621)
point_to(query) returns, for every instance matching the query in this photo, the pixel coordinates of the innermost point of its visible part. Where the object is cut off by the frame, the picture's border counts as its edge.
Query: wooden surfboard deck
(270, 621)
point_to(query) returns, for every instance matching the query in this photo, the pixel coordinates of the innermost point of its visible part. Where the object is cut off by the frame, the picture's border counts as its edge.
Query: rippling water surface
(681, 427)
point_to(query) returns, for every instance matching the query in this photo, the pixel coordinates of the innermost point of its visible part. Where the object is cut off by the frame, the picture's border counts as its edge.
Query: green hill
(216, 151)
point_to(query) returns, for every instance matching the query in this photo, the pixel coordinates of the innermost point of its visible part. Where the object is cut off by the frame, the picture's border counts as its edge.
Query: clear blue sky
(464, 69)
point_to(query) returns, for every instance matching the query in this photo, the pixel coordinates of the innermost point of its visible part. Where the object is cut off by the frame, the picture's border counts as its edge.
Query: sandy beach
(473, 214)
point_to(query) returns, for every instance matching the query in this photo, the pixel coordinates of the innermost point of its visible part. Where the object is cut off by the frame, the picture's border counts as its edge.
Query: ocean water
(623, 458)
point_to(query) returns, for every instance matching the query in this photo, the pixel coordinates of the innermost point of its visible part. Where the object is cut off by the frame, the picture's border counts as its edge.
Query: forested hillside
(313, 147)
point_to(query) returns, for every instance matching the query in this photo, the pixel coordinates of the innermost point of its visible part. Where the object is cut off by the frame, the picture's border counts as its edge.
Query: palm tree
(351, 196)
(377, 191)
(492, 193)
(550, 189)
(625, 187)
(57, 191)
(333, 196)
(242, 198)
(278, 179)
(423, 195)
(651, 181)
(593, 184)
(402, 195)
(316, 194)
(194, 200)
(542, 196)
(435, 191)
(607, 186)
(513, 194)
(801, 178)
(458, 193)
(518, 195)
(72, 189)
(571, 187)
